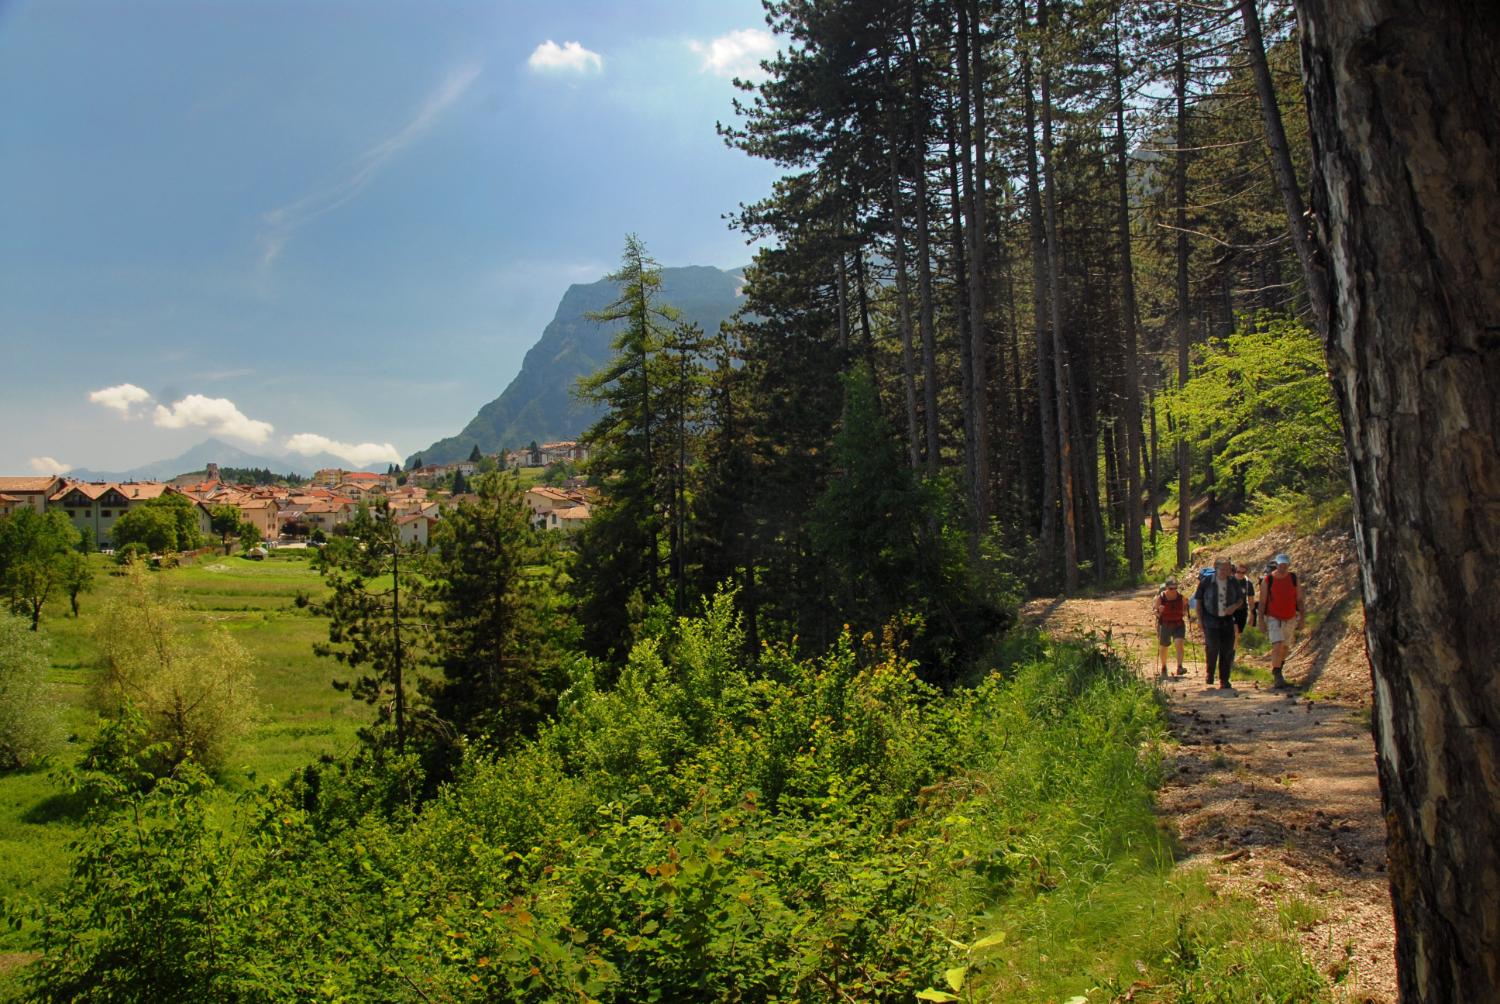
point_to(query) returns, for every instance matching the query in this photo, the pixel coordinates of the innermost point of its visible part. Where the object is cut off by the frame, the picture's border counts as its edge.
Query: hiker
(1218, 598)
(1280, 609)
(1248, 611)
(1171, 623)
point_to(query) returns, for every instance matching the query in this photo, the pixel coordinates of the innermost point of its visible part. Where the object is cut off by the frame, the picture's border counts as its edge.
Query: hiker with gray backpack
(1219, 598)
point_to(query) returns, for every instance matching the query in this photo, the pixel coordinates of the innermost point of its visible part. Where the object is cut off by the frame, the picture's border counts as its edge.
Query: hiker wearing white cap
(1280, 609)
(1171, 623)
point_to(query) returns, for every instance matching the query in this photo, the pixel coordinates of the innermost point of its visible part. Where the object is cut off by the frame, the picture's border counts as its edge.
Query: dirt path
(1274, 793)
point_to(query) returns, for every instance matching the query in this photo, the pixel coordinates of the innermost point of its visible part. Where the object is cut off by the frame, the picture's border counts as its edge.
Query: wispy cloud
(121, 397)
(282, 222)
(48, 465)
(737, 54)
(570, 57)
(216, 413)
(358, 454)
(213, 376)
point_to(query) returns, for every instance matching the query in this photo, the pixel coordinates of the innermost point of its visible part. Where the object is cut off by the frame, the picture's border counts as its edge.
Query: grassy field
(301, 715)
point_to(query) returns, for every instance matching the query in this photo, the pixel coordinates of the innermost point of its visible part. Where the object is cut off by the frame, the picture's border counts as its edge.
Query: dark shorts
(1166, 632)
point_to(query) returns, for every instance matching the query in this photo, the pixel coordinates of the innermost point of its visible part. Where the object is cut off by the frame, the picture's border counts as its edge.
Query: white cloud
(358, 454)
(283, 221)
(49, 465)
(737, 54)
(216, 413)
(570, 57)
(120, 397)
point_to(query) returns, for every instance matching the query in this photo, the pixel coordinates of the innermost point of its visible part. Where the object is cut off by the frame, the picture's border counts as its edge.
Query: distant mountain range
(216, 451)
(539, 404)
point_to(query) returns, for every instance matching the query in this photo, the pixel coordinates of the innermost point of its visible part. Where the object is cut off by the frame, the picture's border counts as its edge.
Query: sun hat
(1282, 559)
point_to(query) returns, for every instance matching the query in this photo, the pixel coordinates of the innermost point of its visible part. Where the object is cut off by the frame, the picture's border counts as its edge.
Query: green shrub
(195, 693)
(29, 713)
(815, 829)
(131, 553)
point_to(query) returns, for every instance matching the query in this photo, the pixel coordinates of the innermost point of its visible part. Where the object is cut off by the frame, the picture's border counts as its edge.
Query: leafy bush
(29, 722)
(817, 829)
(133, 553)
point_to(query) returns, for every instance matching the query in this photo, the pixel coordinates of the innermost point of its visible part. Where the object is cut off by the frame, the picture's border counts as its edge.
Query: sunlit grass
(301, 715)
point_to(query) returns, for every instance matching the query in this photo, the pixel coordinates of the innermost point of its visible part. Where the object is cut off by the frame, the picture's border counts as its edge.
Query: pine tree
(370, 580)
(497, 629)
(631, 456)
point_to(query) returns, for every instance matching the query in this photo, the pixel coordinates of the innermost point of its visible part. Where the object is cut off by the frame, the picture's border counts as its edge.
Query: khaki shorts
(1278, 630)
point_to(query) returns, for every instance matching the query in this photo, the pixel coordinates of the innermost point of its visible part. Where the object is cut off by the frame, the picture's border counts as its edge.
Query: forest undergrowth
(809, 827)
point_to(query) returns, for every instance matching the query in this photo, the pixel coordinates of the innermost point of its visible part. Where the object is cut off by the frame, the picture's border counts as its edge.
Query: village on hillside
(417, 499)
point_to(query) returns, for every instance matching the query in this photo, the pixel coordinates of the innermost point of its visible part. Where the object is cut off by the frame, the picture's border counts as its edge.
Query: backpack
(1265, 590)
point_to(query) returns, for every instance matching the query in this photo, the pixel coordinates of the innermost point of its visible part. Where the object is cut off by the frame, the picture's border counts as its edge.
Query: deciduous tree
(195, 689)
(34, 548)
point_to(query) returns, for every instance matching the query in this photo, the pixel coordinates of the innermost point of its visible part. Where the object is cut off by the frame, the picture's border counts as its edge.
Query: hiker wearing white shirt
(1219, 597)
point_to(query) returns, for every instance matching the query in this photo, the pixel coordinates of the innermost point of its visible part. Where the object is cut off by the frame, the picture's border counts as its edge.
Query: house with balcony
(94, 506)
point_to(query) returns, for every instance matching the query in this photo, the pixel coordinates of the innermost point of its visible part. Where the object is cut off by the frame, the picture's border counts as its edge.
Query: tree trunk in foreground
(1402, 99)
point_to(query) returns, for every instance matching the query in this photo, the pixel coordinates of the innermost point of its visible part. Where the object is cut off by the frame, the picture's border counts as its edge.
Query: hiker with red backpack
(1280, 609)
(1171, 623)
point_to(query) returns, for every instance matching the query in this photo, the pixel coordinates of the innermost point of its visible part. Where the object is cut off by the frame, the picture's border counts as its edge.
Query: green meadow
(300, 714)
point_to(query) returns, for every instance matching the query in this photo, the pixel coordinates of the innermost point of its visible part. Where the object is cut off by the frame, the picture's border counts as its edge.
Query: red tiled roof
(26, 484)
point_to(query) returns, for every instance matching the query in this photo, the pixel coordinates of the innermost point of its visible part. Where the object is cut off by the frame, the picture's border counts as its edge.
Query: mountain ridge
(538, 403)
(216, 451)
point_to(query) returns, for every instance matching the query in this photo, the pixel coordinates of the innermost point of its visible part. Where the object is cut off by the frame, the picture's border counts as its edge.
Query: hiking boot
(1277, 680)
(1180, 671)
(1225, 686)
(1164, 671)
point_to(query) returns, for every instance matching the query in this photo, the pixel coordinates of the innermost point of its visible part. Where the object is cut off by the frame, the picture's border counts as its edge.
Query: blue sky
(315, 223)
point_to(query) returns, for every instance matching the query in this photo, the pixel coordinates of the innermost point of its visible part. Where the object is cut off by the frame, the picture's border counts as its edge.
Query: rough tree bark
(1402, 99)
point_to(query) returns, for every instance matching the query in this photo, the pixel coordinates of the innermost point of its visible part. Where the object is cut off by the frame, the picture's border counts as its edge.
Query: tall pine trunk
(903, 292)
(1060, 368)
(979, 345)
(924, 260)
(1281, 163)
(1179, 189)
(971, 164)
(1402, 100)
(1044, 378)
(957, 171)
(1132, 378)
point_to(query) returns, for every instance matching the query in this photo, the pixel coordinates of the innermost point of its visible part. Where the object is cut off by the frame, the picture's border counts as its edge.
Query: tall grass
(302, 716)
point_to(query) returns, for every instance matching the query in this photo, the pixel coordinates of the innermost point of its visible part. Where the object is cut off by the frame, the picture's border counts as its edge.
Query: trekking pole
(1198, 642)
